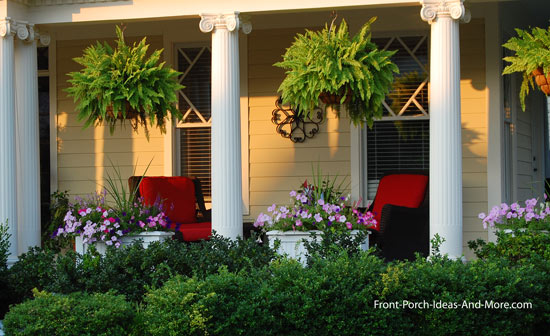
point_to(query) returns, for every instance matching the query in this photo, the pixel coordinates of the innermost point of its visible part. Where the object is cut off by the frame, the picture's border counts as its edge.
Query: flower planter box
(292, 242)
(146, 237)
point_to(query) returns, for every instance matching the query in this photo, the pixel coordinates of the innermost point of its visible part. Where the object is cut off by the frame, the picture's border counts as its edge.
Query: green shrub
(336, 296)
(331, 243)
(453, 283)
(4, 245)
(520, 247)
(34, 269)
(73, 314)
(59, 205)
(131, 270)
(5, 293)
(222, 304)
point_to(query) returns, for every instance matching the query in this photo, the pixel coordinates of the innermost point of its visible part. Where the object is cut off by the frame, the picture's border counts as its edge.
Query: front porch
(467, 158)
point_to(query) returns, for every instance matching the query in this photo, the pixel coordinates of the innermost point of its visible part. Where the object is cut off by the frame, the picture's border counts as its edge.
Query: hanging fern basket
(542, 80)
(334, 99)
(131, 113)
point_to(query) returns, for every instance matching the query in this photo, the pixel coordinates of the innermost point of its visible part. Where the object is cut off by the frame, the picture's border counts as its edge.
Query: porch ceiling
(65, 11)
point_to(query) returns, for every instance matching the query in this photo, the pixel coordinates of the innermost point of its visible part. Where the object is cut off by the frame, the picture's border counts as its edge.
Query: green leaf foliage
(73, 314)
(114, 81)
(330, 61)
(338, 295)
(532, 50)
(129, 270)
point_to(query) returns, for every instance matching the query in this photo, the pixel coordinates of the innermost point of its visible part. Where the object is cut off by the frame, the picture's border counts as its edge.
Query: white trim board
(493, 79)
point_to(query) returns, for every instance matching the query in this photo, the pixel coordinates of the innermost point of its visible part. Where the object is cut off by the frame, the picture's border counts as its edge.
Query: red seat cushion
(177, 194)
(194, 231)
(406, 190)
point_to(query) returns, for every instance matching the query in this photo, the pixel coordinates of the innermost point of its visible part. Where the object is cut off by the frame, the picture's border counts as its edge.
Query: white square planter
(292, 242)
(146, 237)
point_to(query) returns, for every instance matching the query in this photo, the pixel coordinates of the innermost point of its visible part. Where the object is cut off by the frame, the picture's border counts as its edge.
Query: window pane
(42, 54)
(194, 102)
(409, 94)
(195, 156)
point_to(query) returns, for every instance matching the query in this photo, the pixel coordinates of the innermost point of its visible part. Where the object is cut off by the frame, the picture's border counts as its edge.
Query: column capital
(7, 27)
(433, 9)
(23, 30)
(229, 21)
(43, 38)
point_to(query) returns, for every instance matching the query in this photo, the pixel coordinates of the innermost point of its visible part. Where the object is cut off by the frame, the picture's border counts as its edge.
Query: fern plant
(329, 61)
(532, 51)
(124, 83)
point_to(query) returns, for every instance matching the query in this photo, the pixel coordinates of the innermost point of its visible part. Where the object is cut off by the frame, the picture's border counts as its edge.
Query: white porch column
(227, 215)
(8, 192)
(27, 135)
(445, 124)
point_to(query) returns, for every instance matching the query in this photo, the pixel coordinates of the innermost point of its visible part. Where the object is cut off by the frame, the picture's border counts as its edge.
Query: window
(194, 102)
(400, 141)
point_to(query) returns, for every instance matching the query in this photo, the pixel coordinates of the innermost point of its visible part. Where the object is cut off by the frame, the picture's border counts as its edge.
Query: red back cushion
(406, 190)
(177, 194)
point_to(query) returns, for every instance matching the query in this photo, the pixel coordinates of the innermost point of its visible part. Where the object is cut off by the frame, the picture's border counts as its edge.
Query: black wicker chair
(404, 230)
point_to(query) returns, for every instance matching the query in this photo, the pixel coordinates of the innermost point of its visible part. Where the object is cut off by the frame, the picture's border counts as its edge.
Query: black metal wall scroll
(294, 127)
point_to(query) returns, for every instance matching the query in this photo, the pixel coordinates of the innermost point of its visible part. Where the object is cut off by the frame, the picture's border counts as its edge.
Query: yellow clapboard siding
(264, 84)
(472, 90)
(474, 209)
(124, 131)
(266, 127)
(310, 154)
(90, 159)
(474, 194)
(267, 101)
(265, 71)
(268, 184)
(477, 180)
(473, 223)
(292, 169)
(474, 165)
(474, 135)
(473, 235)
(474, 150)
(80, 187)
(110, 146)
(470, 121)
(328, 140)
(473, 105)
(91, 173)
(263, 113)
(262, 200)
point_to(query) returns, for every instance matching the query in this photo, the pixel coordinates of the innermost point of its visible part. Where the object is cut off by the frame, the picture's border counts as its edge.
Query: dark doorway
(44, 129)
